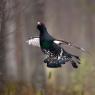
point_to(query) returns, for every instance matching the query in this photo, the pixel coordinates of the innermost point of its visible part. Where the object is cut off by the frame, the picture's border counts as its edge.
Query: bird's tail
(55, 62)
(74, 60)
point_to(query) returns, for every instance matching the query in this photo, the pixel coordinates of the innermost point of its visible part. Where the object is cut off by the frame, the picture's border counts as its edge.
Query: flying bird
(51, 47)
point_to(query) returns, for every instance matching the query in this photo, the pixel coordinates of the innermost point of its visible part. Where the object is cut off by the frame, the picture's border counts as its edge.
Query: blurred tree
(2, 45)
(72, 20)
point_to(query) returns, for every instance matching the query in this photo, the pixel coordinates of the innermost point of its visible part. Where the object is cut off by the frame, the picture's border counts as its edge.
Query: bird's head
(41, 27)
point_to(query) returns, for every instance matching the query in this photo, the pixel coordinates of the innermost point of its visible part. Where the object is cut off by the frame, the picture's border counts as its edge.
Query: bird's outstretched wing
(33, 41)
(60, 42)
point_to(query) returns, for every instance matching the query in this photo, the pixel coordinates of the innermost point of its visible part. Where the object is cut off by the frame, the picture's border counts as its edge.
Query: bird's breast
(46, 44)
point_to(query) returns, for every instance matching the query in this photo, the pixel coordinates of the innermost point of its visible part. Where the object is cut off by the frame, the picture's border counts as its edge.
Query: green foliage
(91, 8)
(10, 89)
(80, 76)
(49, 75)
(79, 79)
(83, 2)
(88, 6)
(40, 92)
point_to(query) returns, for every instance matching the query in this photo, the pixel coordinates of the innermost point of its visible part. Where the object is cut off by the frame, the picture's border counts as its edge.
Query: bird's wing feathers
(34, 41)
(60, 42)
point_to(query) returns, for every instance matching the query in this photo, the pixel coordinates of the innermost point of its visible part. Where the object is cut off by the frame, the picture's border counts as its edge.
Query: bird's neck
(44, 35)
(45, 40)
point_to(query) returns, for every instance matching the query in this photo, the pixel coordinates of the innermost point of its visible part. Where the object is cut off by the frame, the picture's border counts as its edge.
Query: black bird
(51, 47)
(56, 55)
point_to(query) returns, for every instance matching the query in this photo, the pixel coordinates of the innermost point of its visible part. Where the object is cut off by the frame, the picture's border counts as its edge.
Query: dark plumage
(57, 55)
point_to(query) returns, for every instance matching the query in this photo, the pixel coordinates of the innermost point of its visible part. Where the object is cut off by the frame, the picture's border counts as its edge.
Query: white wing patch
(57, 42)
(34, 42)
